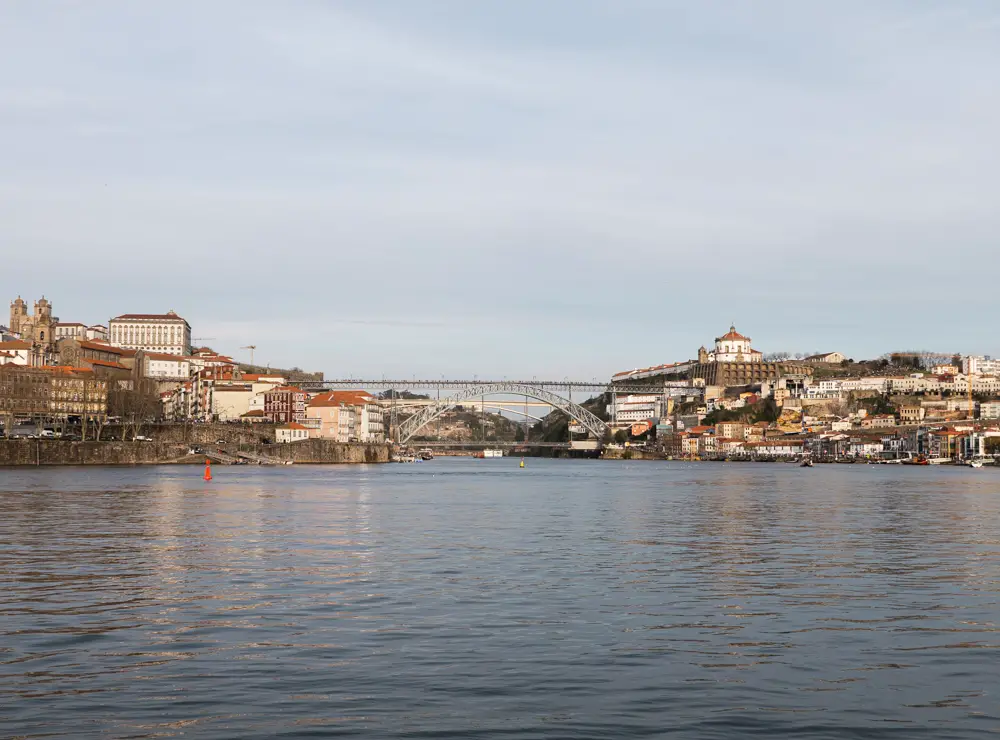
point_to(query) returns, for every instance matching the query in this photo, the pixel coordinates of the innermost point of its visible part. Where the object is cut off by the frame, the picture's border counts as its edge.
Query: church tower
(18, 315)
(44, 331)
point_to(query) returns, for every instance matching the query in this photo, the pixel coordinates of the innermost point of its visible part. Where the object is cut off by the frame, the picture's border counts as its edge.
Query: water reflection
(468, 597)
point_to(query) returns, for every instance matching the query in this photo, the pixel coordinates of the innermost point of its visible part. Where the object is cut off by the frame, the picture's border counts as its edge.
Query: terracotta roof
(255, 412)
(104, 363)
(166, 356)
(733, 335)
(286, 389)
(105, 347)
(160, 316)
(258, 376)
(345, 398)
(293, 425)
(70, 323)
(66, 370)
(15, 344)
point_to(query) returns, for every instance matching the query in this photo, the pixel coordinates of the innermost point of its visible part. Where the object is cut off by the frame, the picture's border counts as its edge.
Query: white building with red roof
(15, 352)
(165, 333)
(731, 347)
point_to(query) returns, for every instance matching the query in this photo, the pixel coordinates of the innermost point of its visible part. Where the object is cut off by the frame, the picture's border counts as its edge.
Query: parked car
(143, 438)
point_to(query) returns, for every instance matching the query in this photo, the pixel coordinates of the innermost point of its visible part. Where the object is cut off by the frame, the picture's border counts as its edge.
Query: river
(468, 598)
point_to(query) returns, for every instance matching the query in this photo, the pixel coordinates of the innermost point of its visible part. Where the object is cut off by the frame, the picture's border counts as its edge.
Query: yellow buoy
(522, 462)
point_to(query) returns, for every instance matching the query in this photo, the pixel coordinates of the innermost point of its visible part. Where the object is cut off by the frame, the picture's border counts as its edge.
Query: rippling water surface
(468, 598)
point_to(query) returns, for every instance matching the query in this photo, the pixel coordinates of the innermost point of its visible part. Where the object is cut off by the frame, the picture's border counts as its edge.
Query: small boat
(426, 454)
(490, 453)
(806, 463)
(975, 463)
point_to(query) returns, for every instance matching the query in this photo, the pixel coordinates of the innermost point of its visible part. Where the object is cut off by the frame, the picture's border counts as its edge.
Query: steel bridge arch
(429, 413)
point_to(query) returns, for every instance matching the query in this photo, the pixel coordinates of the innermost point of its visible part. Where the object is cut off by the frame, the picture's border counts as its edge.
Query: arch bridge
(409, 428)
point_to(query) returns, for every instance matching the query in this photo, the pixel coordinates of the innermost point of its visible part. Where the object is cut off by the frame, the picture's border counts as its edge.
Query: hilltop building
(161, 333)
(37, 328)
(735, 362)
(730, 347)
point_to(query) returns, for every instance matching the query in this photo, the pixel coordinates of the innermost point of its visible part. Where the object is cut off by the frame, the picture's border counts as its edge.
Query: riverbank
(58, 452)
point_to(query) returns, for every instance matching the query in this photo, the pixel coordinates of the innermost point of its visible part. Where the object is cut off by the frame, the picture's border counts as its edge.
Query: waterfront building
(164, 333)
(293, 432)
(231, 401)
(348, 416)
(285, 404)
(50, 393)
(78, 393)
(328, 418)
(25, 393)
(772, 448)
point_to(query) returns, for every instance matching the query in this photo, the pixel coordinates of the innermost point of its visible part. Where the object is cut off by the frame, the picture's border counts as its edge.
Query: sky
(507, 188)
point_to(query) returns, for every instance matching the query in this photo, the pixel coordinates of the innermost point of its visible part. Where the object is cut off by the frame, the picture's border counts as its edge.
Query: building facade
(731, 347)
(976, 365)
(163, 366)
(735, 363)
(163, 333)
(25, 393)
(15, 352)
(78, 393)
(285, 405)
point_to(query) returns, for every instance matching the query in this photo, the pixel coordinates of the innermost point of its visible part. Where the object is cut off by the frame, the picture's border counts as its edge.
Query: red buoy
(208, 469)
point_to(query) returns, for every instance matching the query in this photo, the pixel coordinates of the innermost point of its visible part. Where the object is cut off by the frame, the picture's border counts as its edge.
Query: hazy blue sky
(508, 187)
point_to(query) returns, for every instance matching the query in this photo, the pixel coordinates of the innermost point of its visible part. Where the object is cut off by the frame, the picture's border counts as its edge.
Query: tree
(621, 437)
(766, 410)
(135, 402)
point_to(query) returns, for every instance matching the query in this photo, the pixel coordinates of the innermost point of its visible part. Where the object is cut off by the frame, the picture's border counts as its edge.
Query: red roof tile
(159, 316)
(104, 363)
(733, 335)
(338, 398)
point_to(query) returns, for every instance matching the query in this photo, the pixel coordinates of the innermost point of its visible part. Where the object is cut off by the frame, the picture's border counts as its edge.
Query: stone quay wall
(58, 452)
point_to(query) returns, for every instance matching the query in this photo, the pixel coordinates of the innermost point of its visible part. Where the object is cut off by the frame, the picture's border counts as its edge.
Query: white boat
(975, 463)
(491, 453)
